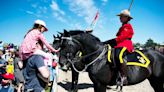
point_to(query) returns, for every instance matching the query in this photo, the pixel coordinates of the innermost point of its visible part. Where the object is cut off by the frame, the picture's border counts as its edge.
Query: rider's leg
(123, 70)
(119, 55)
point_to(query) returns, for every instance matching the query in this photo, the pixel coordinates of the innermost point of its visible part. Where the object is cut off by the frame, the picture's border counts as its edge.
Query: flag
(97, 15)
(93, 24)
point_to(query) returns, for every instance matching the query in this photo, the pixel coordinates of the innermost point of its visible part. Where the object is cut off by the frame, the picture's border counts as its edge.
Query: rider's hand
(112, 42)
(54, 50)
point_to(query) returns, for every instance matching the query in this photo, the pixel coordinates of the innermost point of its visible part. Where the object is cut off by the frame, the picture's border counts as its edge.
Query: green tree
(150, 44)
(137, 45)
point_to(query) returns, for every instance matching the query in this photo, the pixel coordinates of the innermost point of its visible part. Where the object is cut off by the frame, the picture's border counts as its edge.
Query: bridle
(73, 42)
(68, 55)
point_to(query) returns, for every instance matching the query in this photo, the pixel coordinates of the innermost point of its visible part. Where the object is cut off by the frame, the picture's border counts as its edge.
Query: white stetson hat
(125, 13)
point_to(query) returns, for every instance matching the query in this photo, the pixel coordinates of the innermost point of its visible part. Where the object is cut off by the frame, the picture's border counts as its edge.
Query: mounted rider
(122, 43)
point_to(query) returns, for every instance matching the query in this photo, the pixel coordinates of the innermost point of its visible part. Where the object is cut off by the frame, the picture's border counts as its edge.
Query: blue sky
(17, 17)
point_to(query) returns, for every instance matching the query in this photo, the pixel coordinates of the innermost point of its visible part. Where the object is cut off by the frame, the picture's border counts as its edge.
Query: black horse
(65, 65)
(101, 72)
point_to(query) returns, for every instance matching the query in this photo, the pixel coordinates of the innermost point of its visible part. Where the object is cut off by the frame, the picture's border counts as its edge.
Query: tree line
(150, 44)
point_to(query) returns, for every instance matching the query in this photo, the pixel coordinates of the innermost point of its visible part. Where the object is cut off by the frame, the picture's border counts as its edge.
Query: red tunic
(124, 35)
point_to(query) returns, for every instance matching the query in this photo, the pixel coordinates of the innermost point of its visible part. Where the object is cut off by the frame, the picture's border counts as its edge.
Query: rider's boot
(123, 71)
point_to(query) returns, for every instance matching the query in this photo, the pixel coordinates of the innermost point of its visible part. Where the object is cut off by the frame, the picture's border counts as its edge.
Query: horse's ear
(54, 36)
(66, 33)
(58, 36)
(60, 33)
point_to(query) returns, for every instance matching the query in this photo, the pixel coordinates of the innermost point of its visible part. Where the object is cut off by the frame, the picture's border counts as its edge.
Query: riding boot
(123, 70)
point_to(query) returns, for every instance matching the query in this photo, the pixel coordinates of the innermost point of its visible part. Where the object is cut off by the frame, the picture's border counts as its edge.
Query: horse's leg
(74, 86)
(157, 84)
(98, 87)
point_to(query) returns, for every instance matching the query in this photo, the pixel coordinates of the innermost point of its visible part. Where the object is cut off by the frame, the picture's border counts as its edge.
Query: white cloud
(77, 26)
(104, 2)
(34, 5)
(57, 12)
(37, 10)
(83, 8)
(42, 10)
(32, 13)
(56, 8)
(29, 12)
(58, 17)
(87, 10)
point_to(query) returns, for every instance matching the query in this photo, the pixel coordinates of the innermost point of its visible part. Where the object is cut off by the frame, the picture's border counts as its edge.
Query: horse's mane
(80, 32)
(75, 32)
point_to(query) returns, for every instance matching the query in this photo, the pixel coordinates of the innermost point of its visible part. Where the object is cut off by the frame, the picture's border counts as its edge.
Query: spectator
(36, 74)
(1, 45)
(2, 66)
(6, 83)
(2, 61)
(10, 66)
(6, 55)
(18, 65)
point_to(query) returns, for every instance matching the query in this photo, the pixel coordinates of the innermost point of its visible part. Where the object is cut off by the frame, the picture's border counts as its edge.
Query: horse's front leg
(74, 86)
(98, 87)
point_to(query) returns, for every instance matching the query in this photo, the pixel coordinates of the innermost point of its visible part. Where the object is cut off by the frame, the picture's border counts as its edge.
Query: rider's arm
(112, 42)
(126, 31)
(43, 39)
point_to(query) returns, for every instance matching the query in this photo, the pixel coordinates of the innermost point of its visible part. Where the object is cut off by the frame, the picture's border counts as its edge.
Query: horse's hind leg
(158, 85)
(98, 87)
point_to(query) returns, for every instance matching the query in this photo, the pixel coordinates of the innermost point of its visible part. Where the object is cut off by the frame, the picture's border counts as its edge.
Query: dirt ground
(85, 84)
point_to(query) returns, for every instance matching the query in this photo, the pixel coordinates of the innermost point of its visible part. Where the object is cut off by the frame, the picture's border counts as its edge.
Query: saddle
(136, 58)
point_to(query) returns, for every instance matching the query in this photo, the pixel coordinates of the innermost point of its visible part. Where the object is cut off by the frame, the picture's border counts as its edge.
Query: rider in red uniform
(122, 43)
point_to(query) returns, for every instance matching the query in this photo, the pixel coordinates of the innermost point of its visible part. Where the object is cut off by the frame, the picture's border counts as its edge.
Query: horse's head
(56, 42)
(69, 47)
(74, 41)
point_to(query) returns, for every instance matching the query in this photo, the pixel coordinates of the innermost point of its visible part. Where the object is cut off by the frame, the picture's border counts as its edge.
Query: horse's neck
(92, 49)
(89, 45)
(91, 56)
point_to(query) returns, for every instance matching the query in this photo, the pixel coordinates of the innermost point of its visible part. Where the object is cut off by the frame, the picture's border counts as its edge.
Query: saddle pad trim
(121, 54)
(109, 53)
(140, 64)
